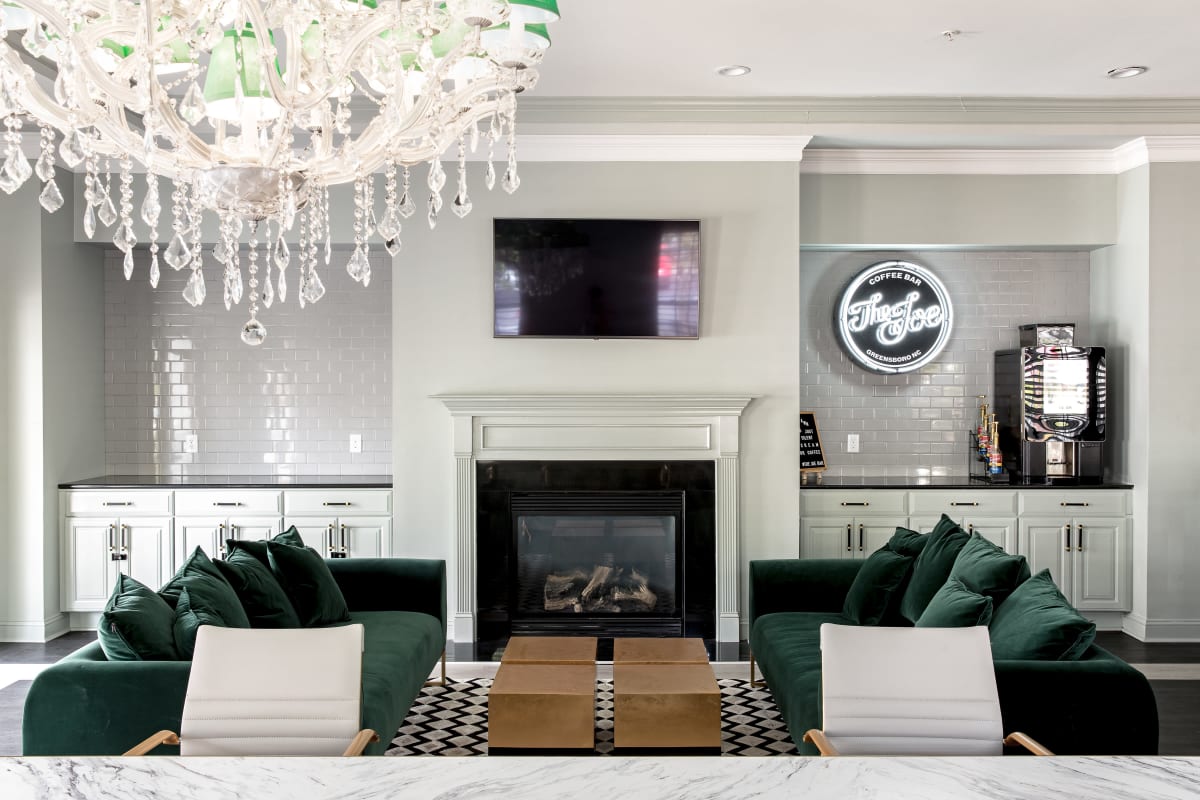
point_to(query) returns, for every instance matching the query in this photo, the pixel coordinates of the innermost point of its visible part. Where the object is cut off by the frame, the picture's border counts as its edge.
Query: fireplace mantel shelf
(635, 426)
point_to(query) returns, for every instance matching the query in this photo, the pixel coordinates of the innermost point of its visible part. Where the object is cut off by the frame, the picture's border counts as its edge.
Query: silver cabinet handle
(114, 503)
(231, 503)
(345, 548)
(849, 547)
(857, 503)
(221, 540)
(123, 544)
(112, 542)
(339, 503)
(956, 503)
(329, 548)
(1074, 505)
(1079, 537)
(860, 538)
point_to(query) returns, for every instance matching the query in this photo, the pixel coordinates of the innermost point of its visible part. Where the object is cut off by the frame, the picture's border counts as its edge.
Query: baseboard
(35, 632)
(1107, 620)
(84, 620)
(1162, 630)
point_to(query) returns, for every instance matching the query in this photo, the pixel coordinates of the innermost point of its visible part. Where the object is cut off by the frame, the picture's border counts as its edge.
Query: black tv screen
(597, 278)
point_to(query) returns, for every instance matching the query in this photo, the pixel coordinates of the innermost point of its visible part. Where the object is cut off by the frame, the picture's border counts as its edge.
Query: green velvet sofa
(87, 705)
(1098, 705)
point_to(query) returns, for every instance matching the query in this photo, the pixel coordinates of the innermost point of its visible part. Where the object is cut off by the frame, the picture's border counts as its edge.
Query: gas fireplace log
(606, 590)
(592, 591)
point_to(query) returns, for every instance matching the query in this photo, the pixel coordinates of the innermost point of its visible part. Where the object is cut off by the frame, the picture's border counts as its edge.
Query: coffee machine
(1050, 405)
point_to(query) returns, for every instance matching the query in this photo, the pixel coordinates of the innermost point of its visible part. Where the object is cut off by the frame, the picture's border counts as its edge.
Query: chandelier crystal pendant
(253, 109)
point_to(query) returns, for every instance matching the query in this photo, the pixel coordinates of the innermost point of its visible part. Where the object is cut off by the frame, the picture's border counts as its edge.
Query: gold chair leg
(441, 682)
(754, 682)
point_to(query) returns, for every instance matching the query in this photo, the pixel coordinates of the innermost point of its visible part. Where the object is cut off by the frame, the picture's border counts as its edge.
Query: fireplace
(601, 549)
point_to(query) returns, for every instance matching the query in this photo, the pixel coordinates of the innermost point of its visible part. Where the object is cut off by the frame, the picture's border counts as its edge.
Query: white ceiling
(873, 48)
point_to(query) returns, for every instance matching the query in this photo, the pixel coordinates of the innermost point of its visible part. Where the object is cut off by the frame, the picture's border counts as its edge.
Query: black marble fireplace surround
(651, 592)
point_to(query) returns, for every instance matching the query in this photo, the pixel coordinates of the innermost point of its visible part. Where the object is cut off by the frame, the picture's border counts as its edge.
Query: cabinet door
(1101, 564)
(251, 528)
(822, 537)
(872, 533)
(1044, 542)
(1001, 532)
(315, 531)
(146, 545)
(207, 533)
(365, 537)
(87, 556)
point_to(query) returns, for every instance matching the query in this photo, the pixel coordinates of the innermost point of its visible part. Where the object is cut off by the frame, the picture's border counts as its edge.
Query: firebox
(594, 548)
(608, 563)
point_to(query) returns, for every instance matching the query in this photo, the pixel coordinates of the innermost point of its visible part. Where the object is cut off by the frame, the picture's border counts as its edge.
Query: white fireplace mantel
(597, 427)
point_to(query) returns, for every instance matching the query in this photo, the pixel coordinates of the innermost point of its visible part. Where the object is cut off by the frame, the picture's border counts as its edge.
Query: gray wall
(286, 407)
(749, 339)
(1021, 211)
(917, 423)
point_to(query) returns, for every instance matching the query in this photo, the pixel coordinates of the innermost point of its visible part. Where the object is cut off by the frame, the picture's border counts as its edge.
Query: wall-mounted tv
(597, 278)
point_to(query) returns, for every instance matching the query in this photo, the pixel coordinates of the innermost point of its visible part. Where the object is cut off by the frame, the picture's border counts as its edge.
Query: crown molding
(661, 147)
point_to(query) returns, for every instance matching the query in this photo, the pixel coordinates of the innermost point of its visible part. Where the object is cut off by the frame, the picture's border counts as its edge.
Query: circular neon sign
(895, 316)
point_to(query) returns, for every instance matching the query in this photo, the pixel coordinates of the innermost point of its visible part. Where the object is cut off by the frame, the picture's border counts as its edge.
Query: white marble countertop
(535, 778)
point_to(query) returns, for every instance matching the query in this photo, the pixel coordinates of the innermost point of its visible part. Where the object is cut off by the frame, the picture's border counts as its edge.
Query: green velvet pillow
(956, 606)
(986, 569)
(907, 543)
(258, 549)
(265, 602)
(1037, 623)
(880, 576)
(195, 609)
(136, 624)
(932, 567)
(309, 584)
(197, 567)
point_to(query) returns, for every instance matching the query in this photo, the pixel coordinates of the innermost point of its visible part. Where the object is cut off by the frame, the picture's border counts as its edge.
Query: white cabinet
(1084, 538)
(343, 523)
(97, 548)
(849, 524)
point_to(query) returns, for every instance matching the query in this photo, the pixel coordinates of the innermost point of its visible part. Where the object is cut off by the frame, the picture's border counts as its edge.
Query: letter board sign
(895, 316)
(812, 457)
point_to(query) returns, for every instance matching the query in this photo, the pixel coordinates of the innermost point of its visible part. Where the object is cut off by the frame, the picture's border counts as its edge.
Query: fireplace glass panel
(596, 565)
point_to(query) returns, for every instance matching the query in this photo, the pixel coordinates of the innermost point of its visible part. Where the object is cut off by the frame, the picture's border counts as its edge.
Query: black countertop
(232, 482)
(946, 482)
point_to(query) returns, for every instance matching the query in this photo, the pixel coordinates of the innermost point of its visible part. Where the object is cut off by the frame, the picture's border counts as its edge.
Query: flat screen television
(597, 278)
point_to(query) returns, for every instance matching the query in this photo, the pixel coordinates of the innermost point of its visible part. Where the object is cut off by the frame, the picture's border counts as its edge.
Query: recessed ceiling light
(1127, 72)
(733, 71)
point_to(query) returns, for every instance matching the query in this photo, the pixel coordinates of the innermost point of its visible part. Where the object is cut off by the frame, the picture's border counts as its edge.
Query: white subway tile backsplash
(172, 371)
(917, 424)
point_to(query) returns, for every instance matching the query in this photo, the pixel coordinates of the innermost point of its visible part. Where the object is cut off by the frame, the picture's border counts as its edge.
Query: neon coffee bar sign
(895, 316)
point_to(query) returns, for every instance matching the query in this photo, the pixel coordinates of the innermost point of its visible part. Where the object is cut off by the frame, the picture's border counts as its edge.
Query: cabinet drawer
(991, 502)
(117, 502)
(1076, 503)
(857, 503)
(337, 501)
(222, 502)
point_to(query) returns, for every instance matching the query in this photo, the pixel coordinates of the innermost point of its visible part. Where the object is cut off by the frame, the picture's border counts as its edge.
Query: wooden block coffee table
(544, 695)
(664, 695)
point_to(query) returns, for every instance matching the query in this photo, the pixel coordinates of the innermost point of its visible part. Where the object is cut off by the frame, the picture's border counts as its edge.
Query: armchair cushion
(1036, 622)
(200, 605)
(932, 567)
(881, 576)
(265, 602)
(956, 606)
(309, 584)
(136, 624)
(986, 569)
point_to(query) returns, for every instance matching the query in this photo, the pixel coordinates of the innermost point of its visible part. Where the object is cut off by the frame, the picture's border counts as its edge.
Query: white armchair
(910, 691)
(272, 692)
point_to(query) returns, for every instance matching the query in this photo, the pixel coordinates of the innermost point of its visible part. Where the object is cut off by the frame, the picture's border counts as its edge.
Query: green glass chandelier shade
(534, 11)
(533, 37)
(221, 95)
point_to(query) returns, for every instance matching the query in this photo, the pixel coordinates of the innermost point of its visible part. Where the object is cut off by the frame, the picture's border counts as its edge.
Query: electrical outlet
(356, 443)
(852, 443)
(191, 444)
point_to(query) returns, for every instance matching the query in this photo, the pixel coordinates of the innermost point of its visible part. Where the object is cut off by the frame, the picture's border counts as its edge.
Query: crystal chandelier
(253, 109)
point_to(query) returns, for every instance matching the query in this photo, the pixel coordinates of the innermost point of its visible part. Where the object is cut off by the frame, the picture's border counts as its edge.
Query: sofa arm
(1096, 706)
(393, 584)
(797, 584)
(84, 707)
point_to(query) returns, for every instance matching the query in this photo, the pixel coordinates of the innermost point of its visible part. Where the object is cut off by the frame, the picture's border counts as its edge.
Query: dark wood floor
(1178, 700)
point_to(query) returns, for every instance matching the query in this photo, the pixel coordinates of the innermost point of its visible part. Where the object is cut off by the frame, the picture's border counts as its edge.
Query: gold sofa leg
(441, 682)
(754, 682)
